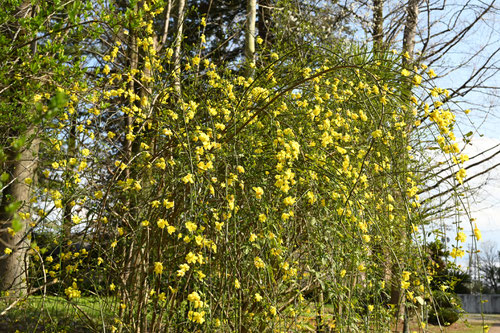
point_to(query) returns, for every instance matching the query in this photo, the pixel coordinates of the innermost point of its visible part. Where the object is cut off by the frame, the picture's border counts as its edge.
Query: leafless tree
(489, 266)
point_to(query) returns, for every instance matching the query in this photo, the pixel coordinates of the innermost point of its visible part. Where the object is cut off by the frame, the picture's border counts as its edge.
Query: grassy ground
(53, 314)
(57, 314)
(469, 323)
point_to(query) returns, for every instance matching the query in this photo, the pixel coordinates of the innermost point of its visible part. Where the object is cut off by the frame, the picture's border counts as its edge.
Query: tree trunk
(178, 45)
(378, 25)
(20, 165)
(250, 31)
(410, 30)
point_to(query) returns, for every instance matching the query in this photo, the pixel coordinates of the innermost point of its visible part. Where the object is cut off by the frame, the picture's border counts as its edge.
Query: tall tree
(21, 151)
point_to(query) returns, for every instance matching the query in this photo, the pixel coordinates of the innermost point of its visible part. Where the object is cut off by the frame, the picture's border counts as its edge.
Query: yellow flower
(258, 298)
(405, 72)
(76, 219)
(72, 292)
(457, 253)
(253, 237)
(197, 317)
(259, 263)
(85, 152)
(7, 251)
(162, 223)
(191, 258)
(168, 204)
(120, 165)
(201, 275)
(237, 284)
(262, 217)
(82, 166)
(258, 192)
(289, 201)
(417, 80)
(194, 297)
(171, 229)
(477, 233)
(460, 175)
(311, 197)
(461, 237)
(377, 133)
(219, 225)
(191, 226)
(183, 268)
(273, 310)
(158, 268)
(188, 179)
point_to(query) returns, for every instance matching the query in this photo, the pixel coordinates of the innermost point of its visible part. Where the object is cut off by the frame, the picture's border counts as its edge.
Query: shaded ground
(492, 320)
(53, 314)
(469, 323)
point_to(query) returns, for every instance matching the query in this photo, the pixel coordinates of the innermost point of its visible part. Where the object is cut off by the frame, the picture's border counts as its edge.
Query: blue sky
(479, 46)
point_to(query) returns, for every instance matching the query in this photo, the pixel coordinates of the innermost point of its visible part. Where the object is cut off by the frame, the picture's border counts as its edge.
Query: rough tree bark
(378, 25)
(20, 165)
(410, 29)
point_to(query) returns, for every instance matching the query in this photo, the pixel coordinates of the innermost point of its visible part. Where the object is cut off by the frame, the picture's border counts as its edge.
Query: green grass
(469, 323)
(54, 314)
(87, 314)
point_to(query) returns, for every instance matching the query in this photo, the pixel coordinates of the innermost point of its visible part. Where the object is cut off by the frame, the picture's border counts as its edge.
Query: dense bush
(189, 195)
(446, 309)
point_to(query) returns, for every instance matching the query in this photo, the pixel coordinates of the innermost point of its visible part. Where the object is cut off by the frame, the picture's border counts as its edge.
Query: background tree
(29, 78)
(489, 268)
